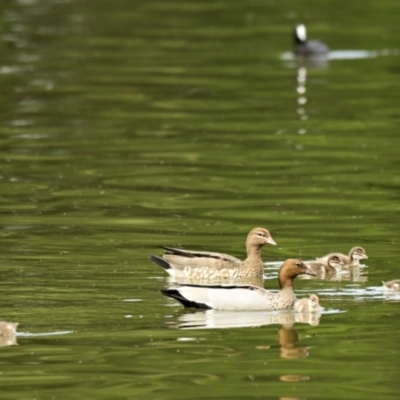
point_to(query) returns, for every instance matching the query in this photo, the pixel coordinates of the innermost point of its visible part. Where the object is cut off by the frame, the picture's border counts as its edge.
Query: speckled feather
(236, 297)
(210, 266)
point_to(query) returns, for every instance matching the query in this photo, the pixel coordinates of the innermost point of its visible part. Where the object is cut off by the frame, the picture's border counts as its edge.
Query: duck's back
(311, 48)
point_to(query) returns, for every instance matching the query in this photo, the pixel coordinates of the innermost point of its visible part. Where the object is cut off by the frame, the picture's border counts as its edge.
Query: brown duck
(203, 266)
(236, 297)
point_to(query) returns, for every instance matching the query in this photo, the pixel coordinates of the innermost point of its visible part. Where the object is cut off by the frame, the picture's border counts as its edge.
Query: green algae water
(128, 125)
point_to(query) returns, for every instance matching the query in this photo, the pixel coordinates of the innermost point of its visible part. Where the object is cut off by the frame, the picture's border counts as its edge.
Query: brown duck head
(290, 269)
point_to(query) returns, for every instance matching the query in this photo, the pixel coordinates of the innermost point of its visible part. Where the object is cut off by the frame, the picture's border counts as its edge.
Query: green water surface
(127, 125)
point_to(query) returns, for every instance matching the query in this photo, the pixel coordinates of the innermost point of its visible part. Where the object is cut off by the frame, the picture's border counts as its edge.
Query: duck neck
(285, 283)
(253, 252)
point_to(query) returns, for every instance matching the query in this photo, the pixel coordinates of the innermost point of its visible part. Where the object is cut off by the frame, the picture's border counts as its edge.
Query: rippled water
(130, 125)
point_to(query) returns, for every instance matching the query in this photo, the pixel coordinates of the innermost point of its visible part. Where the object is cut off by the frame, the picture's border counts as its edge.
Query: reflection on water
(218, 319)
(301, 99)
(142, 129)
(288, 338)
(291, 61)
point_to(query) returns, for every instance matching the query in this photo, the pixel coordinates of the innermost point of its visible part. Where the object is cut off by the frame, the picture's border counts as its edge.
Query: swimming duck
(392, 285)
(8, 328)
(8, 332)
(307, 48)
(333, 264)
(237, 297)
(202, 265)
(307, 304)
(355, 255)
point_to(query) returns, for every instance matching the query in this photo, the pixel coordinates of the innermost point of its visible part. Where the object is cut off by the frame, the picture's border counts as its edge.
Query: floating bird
(237, 297)
(392, 285)
(355, 255)
(333, 264)
(307, 304)
(205, 266)
(307, 48)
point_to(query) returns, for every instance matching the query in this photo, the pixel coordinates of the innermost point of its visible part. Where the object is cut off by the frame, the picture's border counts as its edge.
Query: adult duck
(237, 297)
(206, 266)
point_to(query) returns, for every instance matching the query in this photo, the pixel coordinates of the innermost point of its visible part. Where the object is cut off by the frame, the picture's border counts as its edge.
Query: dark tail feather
(175, 294)
(179, 252)
(159, 261)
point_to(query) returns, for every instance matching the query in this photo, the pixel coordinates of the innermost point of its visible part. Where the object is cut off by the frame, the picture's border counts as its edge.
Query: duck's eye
(298, 264)
(260, 234)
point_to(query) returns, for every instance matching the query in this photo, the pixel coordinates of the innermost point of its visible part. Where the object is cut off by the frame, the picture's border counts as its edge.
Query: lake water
(129, 125)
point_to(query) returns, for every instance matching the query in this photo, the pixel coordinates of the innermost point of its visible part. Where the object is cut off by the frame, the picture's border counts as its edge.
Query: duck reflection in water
(287, 335)
(8, 332)
(288, 338)
(220, 319)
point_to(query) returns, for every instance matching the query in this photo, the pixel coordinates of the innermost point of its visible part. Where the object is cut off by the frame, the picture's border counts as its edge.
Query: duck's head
(300, 34)
(358, 253)
(290, 269)
(257, 237)
(314, 298)
(335, 261)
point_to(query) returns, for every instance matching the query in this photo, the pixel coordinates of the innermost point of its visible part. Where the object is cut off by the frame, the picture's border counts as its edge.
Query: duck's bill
(310, 272)
(271, 241)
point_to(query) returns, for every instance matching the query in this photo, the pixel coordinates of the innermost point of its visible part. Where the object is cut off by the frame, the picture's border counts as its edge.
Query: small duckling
(8, 328)
(307, 304)
(392, 285)
(8, 332)
(333, 264)
(356, 254)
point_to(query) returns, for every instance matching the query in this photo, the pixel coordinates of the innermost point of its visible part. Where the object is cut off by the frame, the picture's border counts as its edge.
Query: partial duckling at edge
(243, 298)
(392, 285)
(204, 266)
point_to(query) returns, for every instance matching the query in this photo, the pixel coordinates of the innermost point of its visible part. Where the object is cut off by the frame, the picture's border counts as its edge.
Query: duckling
(307, 48)
(202, 265)
(8, 332)
(307, 304)
(392, 285)
(333, 264)
(8, 328)
(237, 297)
(355, 255)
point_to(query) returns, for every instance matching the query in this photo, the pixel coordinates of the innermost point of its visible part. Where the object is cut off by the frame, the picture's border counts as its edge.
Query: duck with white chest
(236, 297)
